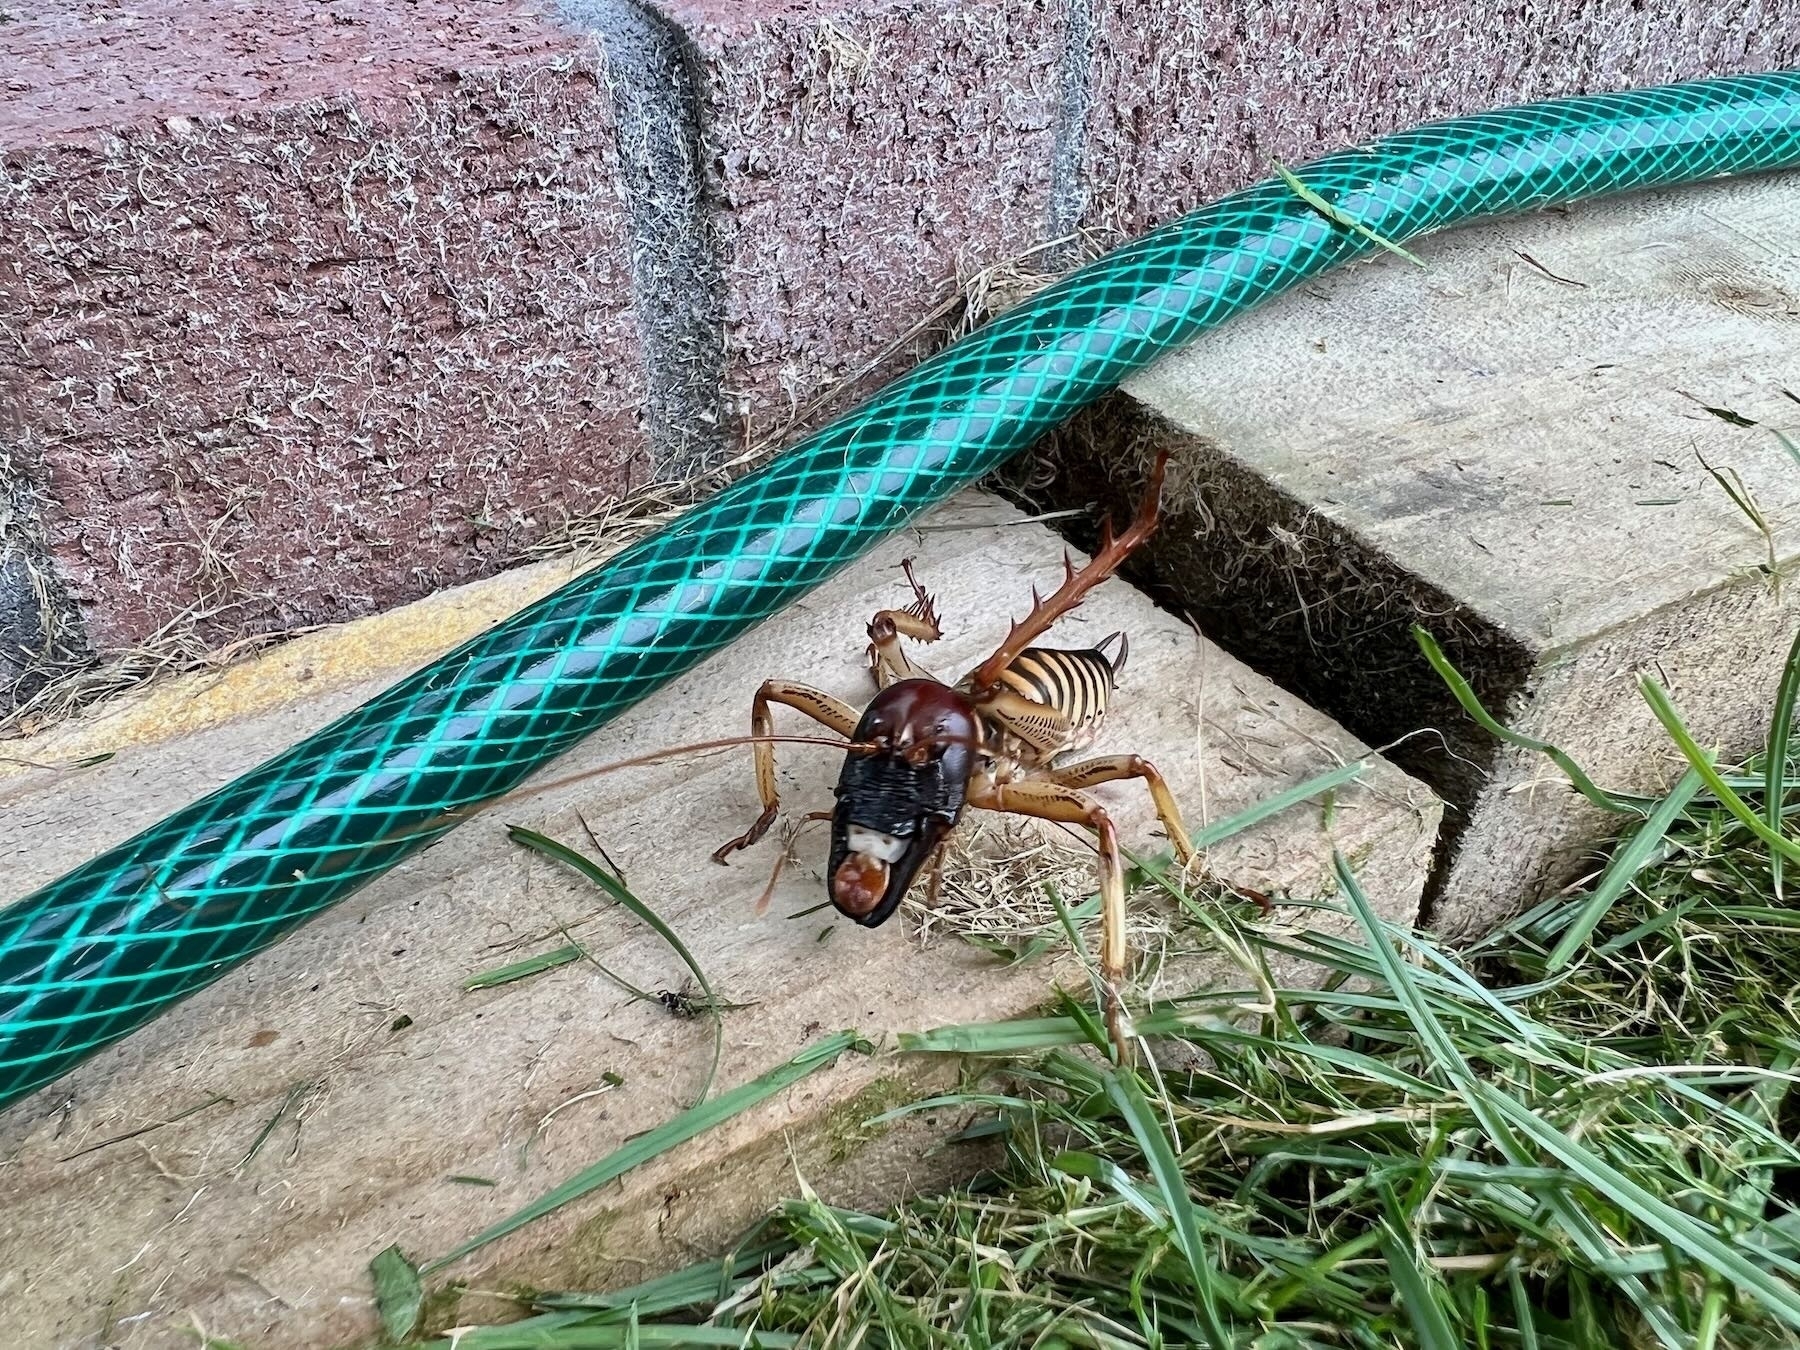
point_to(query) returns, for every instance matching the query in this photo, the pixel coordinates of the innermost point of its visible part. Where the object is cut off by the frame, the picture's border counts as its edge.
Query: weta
(999, 740)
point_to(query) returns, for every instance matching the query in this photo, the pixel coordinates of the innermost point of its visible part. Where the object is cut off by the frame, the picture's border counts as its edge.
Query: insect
(999, 740)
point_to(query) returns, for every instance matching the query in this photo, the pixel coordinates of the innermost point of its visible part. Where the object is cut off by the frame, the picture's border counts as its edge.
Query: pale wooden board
(1526, 453)
(1495, 431)
(141, 1235)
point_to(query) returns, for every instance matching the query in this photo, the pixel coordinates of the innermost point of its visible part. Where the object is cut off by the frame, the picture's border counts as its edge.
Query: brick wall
(307, 309)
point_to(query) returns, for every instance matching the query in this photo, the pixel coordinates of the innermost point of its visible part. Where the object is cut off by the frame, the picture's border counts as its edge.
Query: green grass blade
(1338, 1057)
(694, 1121)
(1024, 1034)
(1157, 866)
(1078, 1163)
(1590, 1238)
(1222, 830)
(607, 882)
(706, 1282)
(398, 1293)
(1626, 863)
(1524, 1311)
(606, 1337)
(520, 970)
(1446, 976)
(1471, 704)
(998, 1101)
(997, 1038)
(1414, 1284)
(1787, 444)
(1125, 1090)
(1781, 726)
(1665, 712)
(1079, 947)
(1444, 1053)
(1660, 922)
(1731, 482)
(1340, 217)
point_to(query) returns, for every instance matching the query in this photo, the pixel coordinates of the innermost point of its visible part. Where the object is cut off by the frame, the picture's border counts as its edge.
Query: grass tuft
(1577, 1134)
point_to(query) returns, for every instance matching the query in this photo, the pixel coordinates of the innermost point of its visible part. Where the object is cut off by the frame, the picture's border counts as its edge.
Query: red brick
(317, 308)
(1193, 99)
(864, 153)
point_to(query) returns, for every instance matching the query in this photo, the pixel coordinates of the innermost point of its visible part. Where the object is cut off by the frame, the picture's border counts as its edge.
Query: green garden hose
(99, 952)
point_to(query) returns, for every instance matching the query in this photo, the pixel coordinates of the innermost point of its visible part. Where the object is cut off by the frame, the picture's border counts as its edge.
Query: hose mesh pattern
(113, 943)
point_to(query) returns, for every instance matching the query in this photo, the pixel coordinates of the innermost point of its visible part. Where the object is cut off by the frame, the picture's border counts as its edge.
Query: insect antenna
(457, 814)
(768, 892)
(671, 752)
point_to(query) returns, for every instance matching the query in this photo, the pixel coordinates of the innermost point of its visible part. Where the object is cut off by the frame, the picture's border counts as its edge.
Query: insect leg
(1053, 801)
(821, 707)
(936, 889)
(888, 662)
(1110, 769)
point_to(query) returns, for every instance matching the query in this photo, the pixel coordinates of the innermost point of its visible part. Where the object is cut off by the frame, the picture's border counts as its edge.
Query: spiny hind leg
(1107, 559)
(821, 707)
(1113, 768)
(888, 661)
(1053, 801)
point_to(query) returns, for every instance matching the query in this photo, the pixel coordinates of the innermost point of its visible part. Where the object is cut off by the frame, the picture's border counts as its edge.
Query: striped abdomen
(1072, 685)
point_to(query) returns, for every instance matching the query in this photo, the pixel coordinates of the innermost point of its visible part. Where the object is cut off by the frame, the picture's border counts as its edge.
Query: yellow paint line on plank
(391, 643)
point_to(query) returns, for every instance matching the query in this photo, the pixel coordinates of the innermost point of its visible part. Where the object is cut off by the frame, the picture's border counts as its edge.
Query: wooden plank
(396, 1081)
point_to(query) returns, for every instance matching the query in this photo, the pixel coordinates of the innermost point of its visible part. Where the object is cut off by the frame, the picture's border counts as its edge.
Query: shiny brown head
(897, 800)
